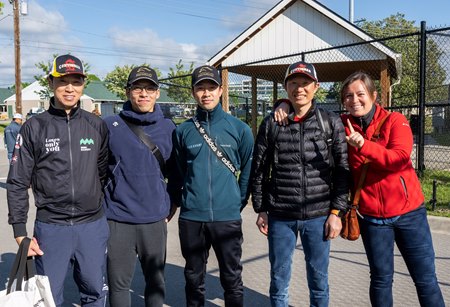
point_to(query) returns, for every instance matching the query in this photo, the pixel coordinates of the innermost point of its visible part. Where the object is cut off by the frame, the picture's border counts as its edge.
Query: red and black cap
(301, 68)
(67, 64)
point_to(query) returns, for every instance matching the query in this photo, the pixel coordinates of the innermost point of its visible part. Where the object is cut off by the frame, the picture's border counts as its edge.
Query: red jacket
(391, 186)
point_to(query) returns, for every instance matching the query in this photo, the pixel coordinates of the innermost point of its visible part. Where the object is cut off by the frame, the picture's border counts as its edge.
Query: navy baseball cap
(206, 72)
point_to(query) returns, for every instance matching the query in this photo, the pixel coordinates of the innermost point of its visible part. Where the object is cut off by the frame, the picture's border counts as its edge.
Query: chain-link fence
(414, 79)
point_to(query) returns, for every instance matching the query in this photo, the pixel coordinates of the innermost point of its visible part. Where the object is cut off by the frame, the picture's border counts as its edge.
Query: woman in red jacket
(391, 202)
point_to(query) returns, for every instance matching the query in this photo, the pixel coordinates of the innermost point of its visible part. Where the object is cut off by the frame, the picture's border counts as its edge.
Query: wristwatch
(337, 212)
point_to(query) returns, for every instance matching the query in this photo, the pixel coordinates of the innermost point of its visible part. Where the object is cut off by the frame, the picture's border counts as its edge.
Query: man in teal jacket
(214, 153)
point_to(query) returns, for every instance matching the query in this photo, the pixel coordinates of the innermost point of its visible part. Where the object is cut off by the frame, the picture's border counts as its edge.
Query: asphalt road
(349, 273)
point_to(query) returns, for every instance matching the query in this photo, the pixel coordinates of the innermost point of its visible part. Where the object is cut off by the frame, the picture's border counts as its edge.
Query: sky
(109, 33)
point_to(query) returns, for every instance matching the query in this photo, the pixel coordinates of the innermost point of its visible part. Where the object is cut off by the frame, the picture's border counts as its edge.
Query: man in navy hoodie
(136, 198)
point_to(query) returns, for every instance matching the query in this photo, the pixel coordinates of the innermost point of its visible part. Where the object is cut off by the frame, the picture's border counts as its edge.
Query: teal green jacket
(210, 191)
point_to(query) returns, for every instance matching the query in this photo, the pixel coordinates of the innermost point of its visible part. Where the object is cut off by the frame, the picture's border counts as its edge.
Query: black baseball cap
(301, 68)
(67, 64)
(205, 72)
(142, 73)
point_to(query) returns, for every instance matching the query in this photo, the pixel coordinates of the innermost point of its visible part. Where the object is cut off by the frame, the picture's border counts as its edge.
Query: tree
(320, 95)
(180, 82)
(1, 8)
(406, 92)
(46, 67)
(24, 85)
(116, 80)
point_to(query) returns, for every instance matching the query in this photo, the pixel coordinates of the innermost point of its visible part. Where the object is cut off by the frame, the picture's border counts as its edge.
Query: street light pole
(15, 4)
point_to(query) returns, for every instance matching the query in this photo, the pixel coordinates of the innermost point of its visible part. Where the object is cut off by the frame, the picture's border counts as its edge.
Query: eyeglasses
(137, 89)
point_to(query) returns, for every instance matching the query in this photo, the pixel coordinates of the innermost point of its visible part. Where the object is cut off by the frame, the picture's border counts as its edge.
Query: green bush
(442, 207)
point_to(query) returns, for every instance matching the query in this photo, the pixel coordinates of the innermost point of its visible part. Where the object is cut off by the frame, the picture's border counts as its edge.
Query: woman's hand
(355, 139)
(281, 113)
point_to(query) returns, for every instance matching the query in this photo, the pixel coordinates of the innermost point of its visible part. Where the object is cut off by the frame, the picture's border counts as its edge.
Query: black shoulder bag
(147, 141)
(220, 155)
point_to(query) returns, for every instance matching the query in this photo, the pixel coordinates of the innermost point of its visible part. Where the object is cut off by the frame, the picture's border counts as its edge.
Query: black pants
(148, 242)
(196, 239)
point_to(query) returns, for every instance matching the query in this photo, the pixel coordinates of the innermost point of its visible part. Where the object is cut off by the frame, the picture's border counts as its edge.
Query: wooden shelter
(298, 28)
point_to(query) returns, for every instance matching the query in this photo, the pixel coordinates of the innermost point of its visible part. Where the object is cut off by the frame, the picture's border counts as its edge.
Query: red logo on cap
(70, 65)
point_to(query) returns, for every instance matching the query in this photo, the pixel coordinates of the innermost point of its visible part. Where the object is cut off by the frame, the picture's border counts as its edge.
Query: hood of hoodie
(147, 118)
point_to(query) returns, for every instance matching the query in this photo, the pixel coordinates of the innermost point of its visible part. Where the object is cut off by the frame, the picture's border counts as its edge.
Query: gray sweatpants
(148, 242)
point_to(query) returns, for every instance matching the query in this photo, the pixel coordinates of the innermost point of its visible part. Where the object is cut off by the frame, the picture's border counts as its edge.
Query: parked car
(33, 112)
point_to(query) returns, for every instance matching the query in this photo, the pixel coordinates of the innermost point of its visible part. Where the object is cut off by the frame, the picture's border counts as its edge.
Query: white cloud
(146, 46)
(42, 34)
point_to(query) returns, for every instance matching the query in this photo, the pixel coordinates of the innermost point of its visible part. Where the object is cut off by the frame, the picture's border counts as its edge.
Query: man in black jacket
(63, 154)
(300, 186)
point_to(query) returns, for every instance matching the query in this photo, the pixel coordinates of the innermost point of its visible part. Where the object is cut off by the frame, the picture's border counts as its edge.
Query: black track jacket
(64, 157)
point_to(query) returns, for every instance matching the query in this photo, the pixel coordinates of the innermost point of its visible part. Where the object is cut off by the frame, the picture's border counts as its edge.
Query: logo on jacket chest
(52, 145)
(85, 144)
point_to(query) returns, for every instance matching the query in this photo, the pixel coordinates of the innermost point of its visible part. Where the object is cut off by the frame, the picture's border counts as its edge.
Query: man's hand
(34, 249)
(333, 226)
(262, 223)
(281, 113)
(173, 210)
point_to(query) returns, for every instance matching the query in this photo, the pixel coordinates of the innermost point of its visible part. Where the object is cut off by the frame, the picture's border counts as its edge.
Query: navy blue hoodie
(136, 191)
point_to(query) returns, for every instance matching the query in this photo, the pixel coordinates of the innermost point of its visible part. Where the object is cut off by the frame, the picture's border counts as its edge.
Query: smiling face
(207, 94)
(357, 99)
(143, 95)
(67, 90)
(300, 90)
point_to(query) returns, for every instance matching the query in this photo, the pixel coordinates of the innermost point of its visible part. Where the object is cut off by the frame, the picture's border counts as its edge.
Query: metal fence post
(421, 124)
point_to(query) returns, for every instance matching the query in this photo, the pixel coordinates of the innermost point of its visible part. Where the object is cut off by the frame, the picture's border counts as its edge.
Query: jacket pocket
(403, 183)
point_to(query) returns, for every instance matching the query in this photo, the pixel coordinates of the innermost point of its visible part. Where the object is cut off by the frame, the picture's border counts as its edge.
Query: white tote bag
(25, 288)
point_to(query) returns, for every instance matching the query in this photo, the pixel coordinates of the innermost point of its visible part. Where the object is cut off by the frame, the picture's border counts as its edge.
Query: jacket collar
(62, 113)
(141, 118)
(210, 115)
(308, 114)
(364, 121)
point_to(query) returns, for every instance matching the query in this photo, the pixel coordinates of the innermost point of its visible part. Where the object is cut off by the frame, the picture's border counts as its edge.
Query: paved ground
(349, 272)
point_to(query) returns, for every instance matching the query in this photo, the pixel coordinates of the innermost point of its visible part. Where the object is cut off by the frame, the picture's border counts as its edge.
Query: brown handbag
(350, 224)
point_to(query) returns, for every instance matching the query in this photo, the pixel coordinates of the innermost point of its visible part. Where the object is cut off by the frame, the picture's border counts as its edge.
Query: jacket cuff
(20, 230)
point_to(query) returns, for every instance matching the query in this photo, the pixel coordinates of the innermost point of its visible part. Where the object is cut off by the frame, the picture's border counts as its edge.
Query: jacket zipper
(71, 168)
(302, 170)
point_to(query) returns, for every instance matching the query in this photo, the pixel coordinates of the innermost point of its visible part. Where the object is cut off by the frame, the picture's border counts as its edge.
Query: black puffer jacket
(302, 185)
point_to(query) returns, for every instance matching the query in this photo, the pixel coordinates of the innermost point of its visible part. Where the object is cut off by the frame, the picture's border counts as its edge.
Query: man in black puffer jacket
(300, 186)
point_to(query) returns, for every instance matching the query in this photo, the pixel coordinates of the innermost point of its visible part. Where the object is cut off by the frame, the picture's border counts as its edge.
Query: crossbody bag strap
(215, 149)
(147, 141)
(374, 138)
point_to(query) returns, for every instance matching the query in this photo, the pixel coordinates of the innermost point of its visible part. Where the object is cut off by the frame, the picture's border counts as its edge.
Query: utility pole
(16, 8)
(350, 10)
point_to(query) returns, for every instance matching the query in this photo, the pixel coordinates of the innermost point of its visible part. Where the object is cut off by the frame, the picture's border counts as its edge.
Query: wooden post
(225, 97)
(17, 57)
(385, 84)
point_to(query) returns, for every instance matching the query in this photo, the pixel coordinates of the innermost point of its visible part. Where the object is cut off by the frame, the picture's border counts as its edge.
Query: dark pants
(196, 239)
(148, 242)
(81, 246)
(412, 235)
